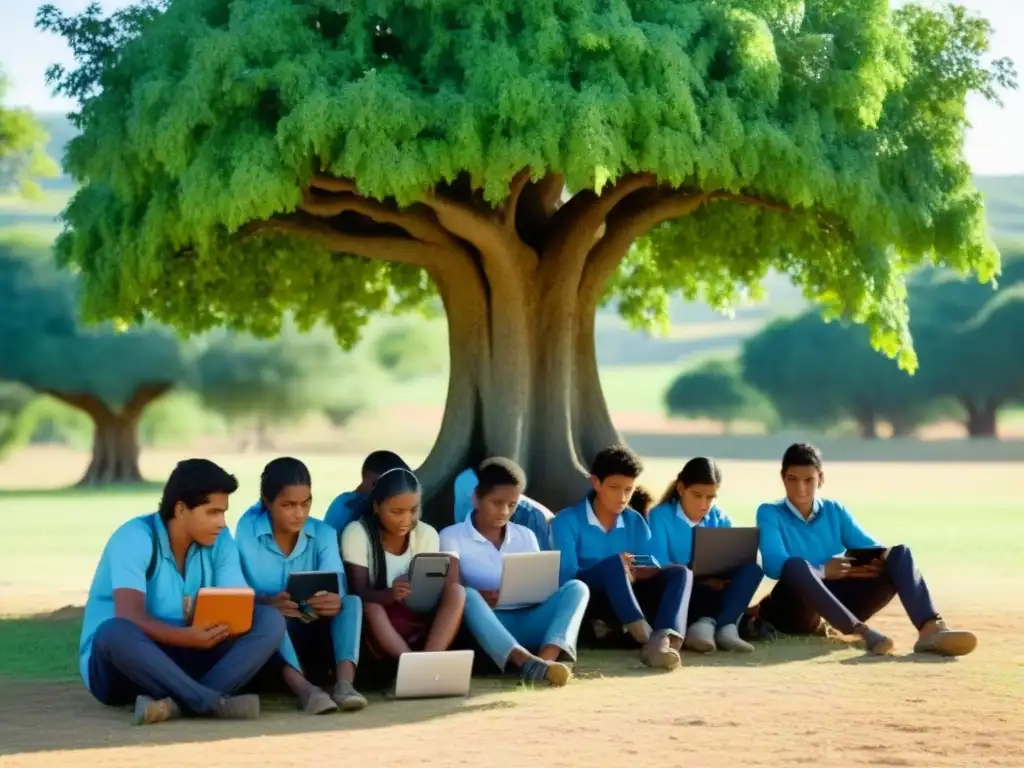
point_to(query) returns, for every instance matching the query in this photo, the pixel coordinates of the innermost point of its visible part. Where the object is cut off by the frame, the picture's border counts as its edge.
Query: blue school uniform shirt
(672, 531)
(267, 569)
(583, 542)
(529, 513)
(123, 565)
(343, 510)
(829, 532)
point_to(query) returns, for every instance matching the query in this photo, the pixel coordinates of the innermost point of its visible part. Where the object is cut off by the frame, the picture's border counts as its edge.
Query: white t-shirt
(479, 560)
(355, 549)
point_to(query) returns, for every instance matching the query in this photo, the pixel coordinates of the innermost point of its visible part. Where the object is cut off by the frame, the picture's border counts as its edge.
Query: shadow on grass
(908, 658)
(76, 491)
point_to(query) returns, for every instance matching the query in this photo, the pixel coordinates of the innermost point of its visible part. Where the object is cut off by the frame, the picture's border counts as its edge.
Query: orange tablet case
(222, 605)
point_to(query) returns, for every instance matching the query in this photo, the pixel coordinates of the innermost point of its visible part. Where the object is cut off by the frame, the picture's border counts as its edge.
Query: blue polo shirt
(267, 569)
(529, 513)
(123, 565)
(343, 510)
(583, 542)
(672, 531)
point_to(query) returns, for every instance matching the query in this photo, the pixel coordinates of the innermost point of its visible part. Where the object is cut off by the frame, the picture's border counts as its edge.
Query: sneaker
(754, 628)
(347, 697)
(554, 673)
(728, 639)
(639, 630)
(700, 637)
(878, 644)
(149, 711)
(659, 654)
(947, 642)
(244, 707)
(316, 702)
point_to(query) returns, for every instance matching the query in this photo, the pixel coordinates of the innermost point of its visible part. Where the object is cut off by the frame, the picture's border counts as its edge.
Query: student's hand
(204, 638)
(838, 568)
(282, 601)
(490, 596)
(326, 604)
(713, 583)
(627, 563)
(401, 589)
(870, 571)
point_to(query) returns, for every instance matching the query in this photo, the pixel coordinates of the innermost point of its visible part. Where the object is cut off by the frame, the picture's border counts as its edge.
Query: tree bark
(115, 442)
(982, 419)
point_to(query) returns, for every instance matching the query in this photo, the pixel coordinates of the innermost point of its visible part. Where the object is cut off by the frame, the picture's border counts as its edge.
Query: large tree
(110, 375)
(716, 390)
(528, 160)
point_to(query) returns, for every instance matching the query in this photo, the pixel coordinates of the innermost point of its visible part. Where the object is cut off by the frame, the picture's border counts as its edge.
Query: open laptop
(718, 552)
(432, 675)
(528, 578)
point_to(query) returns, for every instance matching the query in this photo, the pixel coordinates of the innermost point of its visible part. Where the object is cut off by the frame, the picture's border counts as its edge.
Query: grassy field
(791, 702)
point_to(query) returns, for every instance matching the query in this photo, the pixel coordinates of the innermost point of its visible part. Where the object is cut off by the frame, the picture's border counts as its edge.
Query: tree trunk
(982, 419)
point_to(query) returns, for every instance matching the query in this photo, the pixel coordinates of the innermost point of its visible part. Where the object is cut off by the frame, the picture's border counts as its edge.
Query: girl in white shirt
(377, 549)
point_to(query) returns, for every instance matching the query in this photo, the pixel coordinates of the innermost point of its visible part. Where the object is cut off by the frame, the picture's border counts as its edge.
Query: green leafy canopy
(22, 143)
(845, 119)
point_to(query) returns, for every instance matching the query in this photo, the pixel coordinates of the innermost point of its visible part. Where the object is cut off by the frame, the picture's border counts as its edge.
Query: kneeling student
(532, 637)
(600, 539)
(136, 644)
(377, 550)
(276, 538)
(803, 544)
(717, 604)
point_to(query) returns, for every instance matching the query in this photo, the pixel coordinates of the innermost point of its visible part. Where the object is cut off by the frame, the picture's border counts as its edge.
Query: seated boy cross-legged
(530, 637)
(803, 544)
(600, 538)
(136, 644)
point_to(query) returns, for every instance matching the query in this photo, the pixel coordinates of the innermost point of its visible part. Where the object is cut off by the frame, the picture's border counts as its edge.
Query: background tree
(22, 148)
(716, 390)
(410, 349)
(111, 376)
(283, 156)
(16, 420)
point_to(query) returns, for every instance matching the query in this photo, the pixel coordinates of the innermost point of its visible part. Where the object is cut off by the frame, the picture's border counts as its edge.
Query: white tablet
(528, 578)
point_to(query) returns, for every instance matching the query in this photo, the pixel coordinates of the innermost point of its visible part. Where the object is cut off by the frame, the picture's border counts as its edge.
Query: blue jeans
(555, 622)
(726, 605)
(665, 598)
(318, 647)
(126, 663)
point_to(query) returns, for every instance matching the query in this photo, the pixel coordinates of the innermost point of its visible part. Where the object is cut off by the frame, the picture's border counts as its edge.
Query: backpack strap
(151, 569)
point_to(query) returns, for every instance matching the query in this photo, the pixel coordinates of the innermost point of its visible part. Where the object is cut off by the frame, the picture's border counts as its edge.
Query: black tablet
(866, 555)
(302, 585)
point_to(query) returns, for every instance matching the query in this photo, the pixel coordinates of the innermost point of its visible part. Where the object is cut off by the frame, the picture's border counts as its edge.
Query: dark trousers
(726, 605)
(315, 649)
(662, 600)
(802, 597)
(126, 663)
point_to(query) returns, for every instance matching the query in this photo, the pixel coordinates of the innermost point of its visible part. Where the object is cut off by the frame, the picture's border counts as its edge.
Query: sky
(994, 145)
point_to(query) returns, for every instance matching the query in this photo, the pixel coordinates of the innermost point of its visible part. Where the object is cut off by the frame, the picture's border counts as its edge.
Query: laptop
(528, 578)
(432, 675)
(718, 552)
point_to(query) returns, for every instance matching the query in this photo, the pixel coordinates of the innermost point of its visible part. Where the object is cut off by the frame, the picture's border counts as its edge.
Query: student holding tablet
(136, 643)
(348, 506)
(804, 541)
(278, 538)
(716, 604)
(378, 549)
(532, 637)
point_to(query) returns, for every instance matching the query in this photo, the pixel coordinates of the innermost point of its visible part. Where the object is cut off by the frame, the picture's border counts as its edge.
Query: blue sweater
(785, 534)
(672, 537)
(343, 510)
(583, 544)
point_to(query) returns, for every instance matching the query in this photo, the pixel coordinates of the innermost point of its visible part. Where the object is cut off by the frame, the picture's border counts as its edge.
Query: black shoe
(755, 629)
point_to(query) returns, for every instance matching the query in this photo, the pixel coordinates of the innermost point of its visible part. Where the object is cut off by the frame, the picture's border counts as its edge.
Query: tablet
(718, 552)
(645, 561)
(302, 585)
(528, 578)
(428, 573)
(866, 555)
(232, 606)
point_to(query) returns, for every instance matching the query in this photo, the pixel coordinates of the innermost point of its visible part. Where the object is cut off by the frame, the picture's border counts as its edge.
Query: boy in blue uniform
(803, 542)
(599, 539)
(136, 644)
(346, 507)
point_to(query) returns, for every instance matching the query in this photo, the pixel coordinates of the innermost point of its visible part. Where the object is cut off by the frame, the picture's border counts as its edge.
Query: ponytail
(702, 470)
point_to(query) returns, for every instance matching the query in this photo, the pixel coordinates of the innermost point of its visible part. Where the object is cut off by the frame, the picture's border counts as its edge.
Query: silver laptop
(432, 675)
(528, 578)
(718, 552)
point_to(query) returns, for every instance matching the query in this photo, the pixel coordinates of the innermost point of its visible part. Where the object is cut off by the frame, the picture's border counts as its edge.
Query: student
(599, 538)
(348, 507)
(136, 643)
(529, 513)
(532, 637)
(717, 604)
(803, 541)
(277, 538)
(642, 500)
(377, 550)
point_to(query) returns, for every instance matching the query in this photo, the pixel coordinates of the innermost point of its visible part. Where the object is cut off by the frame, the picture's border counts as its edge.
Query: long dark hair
(390, 483)
(702, 470)
(278, 475)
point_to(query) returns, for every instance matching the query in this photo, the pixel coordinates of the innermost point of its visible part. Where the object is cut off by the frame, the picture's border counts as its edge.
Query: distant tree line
(806, 372)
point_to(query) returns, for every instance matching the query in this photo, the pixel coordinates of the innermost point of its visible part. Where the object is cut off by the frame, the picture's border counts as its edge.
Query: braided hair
(391, 483)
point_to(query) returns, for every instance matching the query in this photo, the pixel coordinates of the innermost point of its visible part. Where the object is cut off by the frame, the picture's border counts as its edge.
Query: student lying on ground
(716, 604)
(642, 500)
(349, 505)
(136, 644)
(803, 541)
(531, 637)
(529, 513)
(599, 539)
(276, 538)
(377, 550)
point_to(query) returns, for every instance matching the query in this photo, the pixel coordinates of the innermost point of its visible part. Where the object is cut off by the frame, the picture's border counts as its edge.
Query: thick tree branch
(515, 191)
(143, 396)
(332, 184)
(418, 221)
(90, 404)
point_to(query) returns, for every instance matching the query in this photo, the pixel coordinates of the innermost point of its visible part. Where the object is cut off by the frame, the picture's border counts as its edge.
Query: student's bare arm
(359, 584)
(131, 604)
